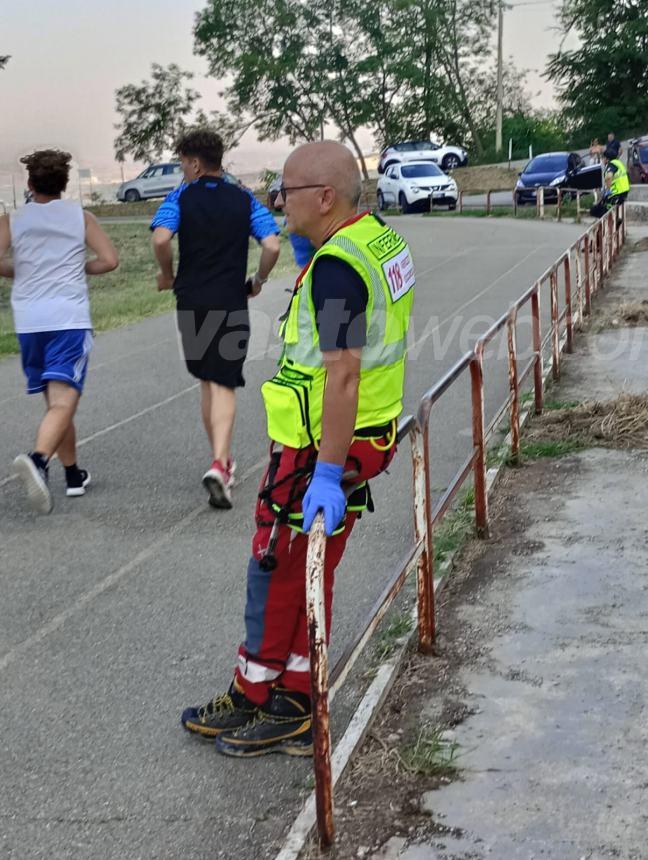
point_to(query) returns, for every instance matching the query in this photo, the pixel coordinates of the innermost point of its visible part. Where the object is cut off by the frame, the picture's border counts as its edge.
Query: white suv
(156, 181)
(447, 157)
(416, 186)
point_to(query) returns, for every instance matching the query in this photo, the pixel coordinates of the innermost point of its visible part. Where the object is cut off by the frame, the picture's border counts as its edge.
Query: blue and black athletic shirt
(214, 219)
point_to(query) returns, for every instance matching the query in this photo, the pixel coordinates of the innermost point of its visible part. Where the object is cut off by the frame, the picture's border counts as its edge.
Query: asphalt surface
(122, 607)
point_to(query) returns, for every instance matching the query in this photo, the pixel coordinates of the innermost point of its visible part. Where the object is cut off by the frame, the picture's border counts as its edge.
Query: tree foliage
(153, 113)
(404, 68)
(603, 83)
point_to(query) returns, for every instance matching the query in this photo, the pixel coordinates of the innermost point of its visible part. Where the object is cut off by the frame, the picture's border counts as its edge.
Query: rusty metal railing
(584, 265)
(541, 195)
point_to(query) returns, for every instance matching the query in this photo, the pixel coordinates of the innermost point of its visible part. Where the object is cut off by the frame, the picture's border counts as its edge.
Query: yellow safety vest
(620, 181)
(294, 397)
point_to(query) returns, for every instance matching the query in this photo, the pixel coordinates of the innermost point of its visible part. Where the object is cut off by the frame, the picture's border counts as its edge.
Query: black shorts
(214, 343)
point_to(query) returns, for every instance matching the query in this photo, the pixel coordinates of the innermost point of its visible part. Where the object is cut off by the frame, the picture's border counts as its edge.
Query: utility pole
(500, 84)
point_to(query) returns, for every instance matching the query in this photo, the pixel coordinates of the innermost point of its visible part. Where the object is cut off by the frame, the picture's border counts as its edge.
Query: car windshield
(547, 164)
(643, 154)
(415, 171)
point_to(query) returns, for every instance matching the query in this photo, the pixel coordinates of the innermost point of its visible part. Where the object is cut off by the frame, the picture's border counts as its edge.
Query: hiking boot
(227, 712)
(77, 481)
(282, 725)
(216, 481)
(33, 471)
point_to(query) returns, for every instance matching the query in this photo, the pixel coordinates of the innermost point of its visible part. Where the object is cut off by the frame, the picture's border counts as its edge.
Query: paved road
(124, 606)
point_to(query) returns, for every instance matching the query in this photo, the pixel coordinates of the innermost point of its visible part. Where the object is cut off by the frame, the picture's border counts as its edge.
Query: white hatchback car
(448, 157)
(416, 185)
(156, 181)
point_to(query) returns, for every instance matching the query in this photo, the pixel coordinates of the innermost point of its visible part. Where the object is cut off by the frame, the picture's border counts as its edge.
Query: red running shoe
(216, 481)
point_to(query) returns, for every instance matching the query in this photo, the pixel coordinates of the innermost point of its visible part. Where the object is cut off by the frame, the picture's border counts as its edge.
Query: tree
(4, 60)
(153, 113)
(603, 83)
(268, 51)
(404, 68)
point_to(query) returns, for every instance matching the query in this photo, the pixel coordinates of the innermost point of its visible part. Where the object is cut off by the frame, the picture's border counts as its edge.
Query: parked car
(416, 185)
(638, 160)
(446, 156)
(556, 170)
(156, 181)
(273, 193)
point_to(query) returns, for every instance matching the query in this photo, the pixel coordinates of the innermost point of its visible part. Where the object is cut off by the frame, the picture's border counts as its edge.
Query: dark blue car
(556, 170)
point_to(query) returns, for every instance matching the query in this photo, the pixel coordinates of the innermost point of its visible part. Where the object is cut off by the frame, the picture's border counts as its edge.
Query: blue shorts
(55, 356)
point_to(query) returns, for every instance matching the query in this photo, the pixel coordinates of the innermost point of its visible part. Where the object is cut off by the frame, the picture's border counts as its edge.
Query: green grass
(560, 404)
(395, 631)
(430, 754)
(128, 294)
(535, 450)
(455, 528)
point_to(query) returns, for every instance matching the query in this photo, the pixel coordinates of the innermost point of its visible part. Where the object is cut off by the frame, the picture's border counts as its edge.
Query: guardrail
(542, 193)
(584, 265)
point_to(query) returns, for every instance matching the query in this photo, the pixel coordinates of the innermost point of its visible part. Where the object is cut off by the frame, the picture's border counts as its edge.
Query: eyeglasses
(283, 189)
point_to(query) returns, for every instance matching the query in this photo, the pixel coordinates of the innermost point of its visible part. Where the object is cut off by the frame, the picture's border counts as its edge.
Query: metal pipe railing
(599, 246)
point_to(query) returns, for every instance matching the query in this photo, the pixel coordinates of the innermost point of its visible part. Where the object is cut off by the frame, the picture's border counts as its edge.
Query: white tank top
(50, 291)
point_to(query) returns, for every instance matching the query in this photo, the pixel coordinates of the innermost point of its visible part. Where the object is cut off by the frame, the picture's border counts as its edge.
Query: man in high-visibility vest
(617, 184)
(331, 410)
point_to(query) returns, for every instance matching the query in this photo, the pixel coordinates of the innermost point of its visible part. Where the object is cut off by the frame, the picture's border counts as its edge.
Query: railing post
(558, 206)
(578, 207)
(537, 348)
(515, 203)
(599, 253)
(569, 320)
(588, 285)
(555, 336)
(488, 202)
(542, 202)
(513, 386)
(479, 443)
(578, 318)
(423, 532)
(316, 618)
(461, 196)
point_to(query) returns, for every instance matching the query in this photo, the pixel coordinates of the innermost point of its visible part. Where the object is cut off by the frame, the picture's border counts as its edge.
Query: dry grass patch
(620, 423)
(627, 314)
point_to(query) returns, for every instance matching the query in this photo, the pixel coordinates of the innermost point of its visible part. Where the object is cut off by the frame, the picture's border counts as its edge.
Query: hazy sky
(69, 56)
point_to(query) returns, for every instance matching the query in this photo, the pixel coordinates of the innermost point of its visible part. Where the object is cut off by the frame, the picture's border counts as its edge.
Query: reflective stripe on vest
(620, 181)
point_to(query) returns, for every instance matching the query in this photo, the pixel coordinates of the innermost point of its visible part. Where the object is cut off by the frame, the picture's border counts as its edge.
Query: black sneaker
(229, 711)
(77, 482)
(35, 478)
(282, 725)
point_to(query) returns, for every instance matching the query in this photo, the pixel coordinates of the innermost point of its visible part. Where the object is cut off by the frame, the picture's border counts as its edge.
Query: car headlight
(558, 180)
(519, 184)
(415, 188)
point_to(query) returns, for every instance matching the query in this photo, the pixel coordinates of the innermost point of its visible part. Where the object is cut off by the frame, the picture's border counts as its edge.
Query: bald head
(327, 163)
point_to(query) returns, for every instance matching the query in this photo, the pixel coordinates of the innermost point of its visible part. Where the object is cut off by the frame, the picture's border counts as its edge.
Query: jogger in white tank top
(51, 313)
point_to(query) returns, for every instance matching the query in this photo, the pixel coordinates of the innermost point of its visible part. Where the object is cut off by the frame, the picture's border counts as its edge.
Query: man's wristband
(258, 279)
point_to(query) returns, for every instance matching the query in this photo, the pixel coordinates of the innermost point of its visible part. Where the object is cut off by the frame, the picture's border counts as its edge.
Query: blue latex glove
(324, 493)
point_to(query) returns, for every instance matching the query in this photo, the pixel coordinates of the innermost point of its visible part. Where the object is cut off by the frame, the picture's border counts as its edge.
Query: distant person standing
(51, 310)
(613, 145)
(214, 220)
(617, 184)
(595, 152)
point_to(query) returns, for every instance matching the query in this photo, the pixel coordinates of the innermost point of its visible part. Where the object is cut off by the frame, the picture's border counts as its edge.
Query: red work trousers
(276, 647)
